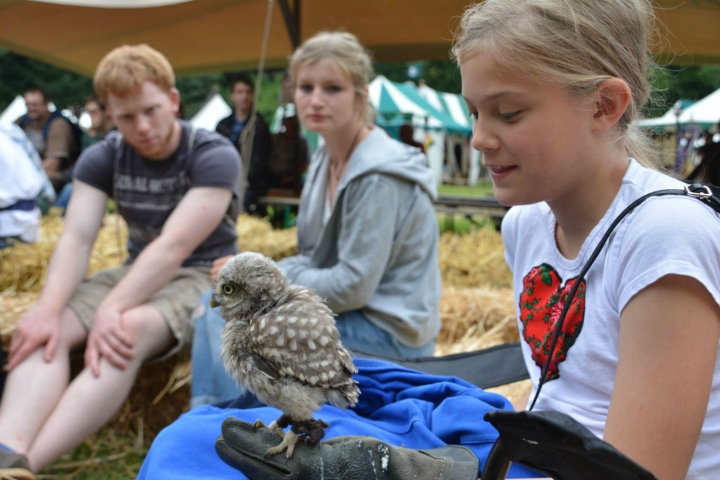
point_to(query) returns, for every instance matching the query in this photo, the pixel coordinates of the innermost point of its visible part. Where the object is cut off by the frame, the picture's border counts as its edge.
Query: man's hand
(217, 265)
(51, 165)
(40, 326)
(243, 447)
(108, 339)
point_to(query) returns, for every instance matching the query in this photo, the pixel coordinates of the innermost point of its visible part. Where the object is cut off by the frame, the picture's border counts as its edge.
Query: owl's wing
(299, 339)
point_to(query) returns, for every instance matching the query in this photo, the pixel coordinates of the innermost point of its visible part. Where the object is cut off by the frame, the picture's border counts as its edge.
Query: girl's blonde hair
(343, 50)
(577, 43)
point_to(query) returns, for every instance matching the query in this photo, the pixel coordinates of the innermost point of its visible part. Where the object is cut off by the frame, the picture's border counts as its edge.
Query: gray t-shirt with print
(147, 191)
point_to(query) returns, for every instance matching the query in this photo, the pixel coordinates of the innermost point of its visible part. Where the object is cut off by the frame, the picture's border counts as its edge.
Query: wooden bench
(445, 204)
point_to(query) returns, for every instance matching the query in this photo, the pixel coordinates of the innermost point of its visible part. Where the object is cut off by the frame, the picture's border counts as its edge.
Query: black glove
(343, 458)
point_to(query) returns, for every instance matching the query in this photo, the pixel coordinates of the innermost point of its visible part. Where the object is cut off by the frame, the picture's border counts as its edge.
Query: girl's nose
(483, 139)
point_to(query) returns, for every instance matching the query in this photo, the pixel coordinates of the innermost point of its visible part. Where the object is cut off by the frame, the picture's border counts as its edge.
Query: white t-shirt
(664, 235)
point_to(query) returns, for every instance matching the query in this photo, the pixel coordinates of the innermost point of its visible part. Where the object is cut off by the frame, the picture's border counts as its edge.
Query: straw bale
(23, 267)
(257, 235)
(475, 318)
(474, 259)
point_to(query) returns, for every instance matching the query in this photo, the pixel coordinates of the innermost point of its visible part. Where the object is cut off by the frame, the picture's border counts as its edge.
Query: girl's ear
(612, 99)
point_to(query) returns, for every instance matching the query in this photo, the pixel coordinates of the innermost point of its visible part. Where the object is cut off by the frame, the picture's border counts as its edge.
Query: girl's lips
(499, 172)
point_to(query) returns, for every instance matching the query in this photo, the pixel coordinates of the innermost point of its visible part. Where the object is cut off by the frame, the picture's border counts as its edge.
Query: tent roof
(392, 99)
(212, 111)
(705, 112)
(201, 36)
(450, 103)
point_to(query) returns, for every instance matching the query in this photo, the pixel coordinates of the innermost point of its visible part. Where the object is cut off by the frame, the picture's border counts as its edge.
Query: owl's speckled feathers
(280, 340)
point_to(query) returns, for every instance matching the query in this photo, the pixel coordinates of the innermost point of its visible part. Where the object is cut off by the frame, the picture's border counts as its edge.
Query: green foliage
(19, 73)
(482, 189)
(442, 75)
(674, 83)
(67, 89)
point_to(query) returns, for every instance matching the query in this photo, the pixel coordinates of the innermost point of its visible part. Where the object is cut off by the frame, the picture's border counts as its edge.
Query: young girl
(554, 87)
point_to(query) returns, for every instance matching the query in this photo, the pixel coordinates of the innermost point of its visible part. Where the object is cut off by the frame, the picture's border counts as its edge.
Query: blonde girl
(554, 87)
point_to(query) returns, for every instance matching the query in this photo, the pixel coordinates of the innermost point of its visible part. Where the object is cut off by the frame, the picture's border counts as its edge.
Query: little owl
(280, 343)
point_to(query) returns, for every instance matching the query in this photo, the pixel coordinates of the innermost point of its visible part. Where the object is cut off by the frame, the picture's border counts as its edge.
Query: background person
(367, 232)
(52, 134)
(100, 126)
(247, 132)
(177, 189)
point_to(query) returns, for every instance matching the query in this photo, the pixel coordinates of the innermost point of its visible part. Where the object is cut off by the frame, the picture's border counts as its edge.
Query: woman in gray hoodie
(367, 230)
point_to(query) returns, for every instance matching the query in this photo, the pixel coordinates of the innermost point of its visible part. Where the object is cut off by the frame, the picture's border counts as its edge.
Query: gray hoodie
(377, 253)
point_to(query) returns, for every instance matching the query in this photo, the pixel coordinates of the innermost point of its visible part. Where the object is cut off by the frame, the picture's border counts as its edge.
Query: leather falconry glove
(343, 458)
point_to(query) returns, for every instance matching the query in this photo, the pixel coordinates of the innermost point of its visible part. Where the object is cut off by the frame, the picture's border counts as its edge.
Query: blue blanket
(398, 405)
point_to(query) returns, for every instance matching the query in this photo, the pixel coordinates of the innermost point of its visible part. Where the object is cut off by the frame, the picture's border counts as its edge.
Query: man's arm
(198, 214)
(195, 218)
(68, 267)
(669, 336)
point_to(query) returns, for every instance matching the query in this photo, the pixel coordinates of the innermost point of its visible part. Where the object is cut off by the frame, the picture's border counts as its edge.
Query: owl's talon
(273, 427)
(288, 443)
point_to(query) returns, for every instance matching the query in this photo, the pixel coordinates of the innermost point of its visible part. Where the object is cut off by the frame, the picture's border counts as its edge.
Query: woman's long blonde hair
(576, 43)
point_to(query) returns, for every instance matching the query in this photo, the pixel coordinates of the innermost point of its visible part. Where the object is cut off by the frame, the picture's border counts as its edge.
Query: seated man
(53, 135)
(177, 188)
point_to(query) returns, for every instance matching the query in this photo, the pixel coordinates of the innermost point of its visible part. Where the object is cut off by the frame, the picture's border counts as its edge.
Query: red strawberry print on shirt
(541, 302)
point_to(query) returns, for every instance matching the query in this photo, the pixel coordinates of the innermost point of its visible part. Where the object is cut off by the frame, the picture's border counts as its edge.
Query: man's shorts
(175, 302)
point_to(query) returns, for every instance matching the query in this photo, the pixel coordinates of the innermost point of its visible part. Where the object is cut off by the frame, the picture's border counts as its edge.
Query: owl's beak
(213, 302)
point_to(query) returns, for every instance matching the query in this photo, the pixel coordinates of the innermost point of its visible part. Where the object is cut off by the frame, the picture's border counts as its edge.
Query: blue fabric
(210, 384)
(6, 448)
(397, 405)
(64, 198)
(359, 333)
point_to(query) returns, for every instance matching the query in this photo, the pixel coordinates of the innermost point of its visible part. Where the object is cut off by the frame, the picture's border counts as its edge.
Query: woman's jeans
(210, 383)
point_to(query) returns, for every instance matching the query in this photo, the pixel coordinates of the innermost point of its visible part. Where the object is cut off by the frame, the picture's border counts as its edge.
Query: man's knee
(143, 321)
(148, 330)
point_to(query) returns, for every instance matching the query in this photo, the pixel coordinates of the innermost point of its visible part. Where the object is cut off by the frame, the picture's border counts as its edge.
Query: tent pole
(292, 21)
(259, 79)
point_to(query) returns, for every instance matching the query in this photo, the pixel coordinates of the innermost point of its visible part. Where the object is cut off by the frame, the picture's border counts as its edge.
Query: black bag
(552, 442)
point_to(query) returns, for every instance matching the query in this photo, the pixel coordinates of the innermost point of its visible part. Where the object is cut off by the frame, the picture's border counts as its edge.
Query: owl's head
(245, 283)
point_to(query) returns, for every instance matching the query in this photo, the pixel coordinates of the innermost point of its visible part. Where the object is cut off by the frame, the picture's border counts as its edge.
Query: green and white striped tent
(397, 103)
(451, 104)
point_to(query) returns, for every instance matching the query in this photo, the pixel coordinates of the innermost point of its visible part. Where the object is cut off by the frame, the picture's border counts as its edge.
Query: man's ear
(174, 95)
(612, 98)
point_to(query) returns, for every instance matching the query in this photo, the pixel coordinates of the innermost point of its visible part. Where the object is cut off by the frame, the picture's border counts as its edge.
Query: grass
(482, 189)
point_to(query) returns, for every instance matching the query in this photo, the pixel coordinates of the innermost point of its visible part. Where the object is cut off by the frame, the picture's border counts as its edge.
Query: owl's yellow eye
(228, 289)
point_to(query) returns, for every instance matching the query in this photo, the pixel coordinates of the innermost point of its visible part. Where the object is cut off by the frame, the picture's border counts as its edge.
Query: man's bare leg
(34, 387)
(89, 402)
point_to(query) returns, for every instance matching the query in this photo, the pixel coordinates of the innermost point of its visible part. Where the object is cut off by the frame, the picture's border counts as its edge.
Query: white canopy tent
(213, 110)
(705, 112)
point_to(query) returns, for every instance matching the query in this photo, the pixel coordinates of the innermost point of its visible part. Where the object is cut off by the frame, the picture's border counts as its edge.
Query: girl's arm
(669, 335)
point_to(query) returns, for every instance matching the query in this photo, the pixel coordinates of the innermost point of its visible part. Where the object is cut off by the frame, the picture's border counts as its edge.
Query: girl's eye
(509, 115)
(306, 88)
(333, 89)
(228, 289)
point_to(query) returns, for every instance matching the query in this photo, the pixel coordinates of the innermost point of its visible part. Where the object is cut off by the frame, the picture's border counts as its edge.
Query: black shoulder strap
(696, 190)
